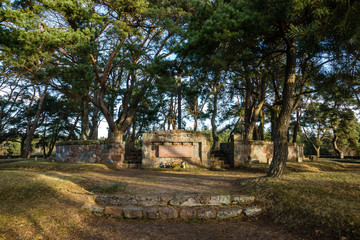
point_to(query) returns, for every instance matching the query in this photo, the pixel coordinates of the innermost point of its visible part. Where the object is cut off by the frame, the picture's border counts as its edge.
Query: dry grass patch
(42, 200)
(318, 198)
(43, 165)
(38, 206)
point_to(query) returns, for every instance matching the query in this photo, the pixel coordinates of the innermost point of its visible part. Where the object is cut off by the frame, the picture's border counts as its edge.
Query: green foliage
(12, 148)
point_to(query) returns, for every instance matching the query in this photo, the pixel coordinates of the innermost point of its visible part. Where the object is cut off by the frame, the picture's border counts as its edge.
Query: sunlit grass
(318, 198)
(44, 165)
(44, 200)
(34, 205)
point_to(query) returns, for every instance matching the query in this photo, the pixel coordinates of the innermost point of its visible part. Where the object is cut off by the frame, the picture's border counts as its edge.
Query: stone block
(132, 212)
(147, 200)
(97, 210)
(206, 213)
(164, 200)
(205, 200)
(252, 211)
(242, 199)
(220, 200)
(168, 213)
(151, 213)
(112, 199)
(114, 211)
(190, 202)
(187, 213)
(228, 213)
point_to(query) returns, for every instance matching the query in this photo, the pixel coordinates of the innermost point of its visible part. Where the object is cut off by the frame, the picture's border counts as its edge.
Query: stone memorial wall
(175, 146)
(108, 151)
(258, 151)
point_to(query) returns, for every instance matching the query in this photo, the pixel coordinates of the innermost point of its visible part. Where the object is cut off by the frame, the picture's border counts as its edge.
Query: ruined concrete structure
(108, 151)
(241, 152)
(175, 146)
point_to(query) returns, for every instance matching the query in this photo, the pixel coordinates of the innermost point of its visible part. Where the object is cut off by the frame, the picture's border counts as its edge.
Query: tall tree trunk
(22, 145)
(213, 125)
(296, 126)
(84, 135)
(179, 100)
(317, 149)
(282, 126)
(72, 129)
(195, 123)
(53, 142)
(261, 109)
(32, 126)
(44, 143)
(262, 125)
(94, 130)
(336, 148)
(274, 115)
(249, 109)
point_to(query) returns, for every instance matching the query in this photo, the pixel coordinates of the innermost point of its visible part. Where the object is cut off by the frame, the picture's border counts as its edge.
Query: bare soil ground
(139, 229)
(43, 204)
(169, 182)
(172, 182)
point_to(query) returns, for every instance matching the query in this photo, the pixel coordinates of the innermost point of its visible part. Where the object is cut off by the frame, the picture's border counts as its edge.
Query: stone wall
(175, 146)
(108, 151)
(179, 206)
(261, 151)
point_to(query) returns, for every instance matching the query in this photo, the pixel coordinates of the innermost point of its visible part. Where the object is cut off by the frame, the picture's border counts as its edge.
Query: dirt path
(172, 182)
(169, 182)
(147, 230)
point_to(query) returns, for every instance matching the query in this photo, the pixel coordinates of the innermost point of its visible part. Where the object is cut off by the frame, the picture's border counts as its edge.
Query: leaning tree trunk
(317, 149)
(336, 148)
(32, 126)
(282, 125)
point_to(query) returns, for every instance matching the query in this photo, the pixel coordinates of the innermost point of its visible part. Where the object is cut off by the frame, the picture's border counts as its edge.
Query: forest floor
(43, 200)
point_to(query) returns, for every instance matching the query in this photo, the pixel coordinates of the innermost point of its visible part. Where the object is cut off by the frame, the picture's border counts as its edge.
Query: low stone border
(179, 206)
(183, 200)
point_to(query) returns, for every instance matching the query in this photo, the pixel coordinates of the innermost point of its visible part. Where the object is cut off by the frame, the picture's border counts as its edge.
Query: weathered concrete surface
(176, 151)
(175, 146)
(108, 151)
(243, 152)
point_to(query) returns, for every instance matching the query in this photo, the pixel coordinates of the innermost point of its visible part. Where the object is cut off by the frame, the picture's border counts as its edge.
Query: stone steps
(219, 160)
(133, 158)
(178, 206)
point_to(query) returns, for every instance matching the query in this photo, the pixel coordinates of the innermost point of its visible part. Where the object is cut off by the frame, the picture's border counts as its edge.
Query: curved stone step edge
(185, 200)
(131, 212)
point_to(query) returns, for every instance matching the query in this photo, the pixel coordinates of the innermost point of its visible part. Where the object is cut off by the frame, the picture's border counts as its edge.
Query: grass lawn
(43, 200)
(319, 198)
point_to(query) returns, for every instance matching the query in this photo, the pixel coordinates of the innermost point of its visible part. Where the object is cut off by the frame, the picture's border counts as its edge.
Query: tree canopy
(279, 70)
